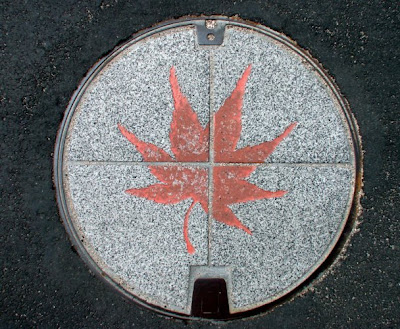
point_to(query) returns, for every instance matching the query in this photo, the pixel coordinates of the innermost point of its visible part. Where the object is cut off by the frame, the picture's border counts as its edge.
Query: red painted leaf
(230, 188)
(190, 143)
(189, 140)
(228, 127)
(228, 121)
(178, 184)
(149, 151)
(225, 215)
(228, 181)
(258, 153)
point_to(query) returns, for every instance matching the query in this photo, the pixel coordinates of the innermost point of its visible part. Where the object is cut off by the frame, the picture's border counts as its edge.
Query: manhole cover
(206, 168)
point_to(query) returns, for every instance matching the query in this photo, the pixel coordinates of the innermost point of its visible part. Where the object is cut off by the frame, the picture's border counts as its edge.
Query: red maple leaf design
(190, 143)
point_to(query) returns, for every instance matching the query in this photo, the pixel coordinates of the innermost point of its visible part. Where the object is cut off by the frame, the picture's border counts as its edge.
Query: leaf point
(247, 230)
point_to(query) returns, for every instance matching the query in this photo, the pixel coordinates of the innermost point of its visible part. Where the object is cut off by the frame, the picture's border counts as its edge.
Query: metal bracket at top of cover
(210, 32)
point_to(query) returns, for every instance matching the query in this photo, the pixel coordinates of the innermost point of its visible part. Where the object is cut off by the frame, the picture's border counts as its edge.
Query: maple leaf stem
(189, 246)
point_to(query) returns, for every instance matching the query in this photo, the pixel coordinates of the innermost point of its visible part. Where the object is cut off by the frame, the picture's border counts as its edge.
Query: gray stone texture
(134, 90)
(281, 89)
(140, 242)
(291, 235)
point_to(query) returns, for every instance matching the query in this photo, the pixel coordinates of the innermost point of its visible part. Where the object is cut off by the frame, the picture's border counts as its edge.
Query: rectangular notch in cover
(210, 299)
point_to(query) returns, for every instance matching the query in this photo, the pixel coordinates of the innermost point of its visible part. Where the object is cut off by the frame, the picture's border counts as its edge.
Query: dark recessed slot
(210, 299)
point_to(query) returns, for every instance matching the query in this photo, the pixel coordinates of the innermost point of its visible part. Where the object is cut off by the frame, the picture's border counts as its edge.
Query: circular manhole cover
(206, 168)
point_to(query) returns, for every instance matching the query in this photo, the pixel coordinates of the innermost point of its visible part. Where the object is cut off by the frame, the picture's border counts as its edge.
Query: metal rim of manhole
(208, 168)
